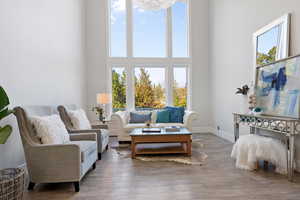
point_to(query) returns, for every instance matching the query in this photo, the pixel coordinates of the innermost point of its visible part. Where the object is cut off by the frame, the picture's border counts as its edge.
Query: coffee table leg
(189, 147)
(132, 148)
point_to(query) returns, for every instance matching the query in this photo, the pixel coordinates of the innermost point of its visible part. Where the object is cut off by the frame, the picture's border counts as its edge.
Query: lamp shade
(103, 98)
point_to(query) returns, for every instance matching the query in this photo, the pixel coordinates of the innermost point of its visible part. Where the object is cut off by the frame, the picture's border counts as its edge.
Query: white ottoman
(249, 149)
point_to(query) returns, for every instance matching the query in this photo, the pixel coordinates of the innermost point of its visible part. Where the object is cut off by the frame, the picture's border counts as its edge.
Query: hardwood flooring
(125, 179)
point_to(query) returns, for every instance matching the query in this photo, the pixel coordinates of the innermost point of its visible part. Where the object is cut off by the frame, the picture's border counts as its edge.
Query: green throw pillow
(163, 116)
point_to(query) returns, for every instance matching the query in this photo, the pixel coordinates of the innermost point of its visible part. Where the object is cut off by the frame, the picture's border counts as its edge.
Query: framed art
(277, 87)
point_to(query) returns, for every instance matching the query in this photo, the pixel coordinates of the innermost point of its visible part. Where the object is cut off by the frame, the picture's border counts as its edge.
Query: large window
(180, 86)
(149, 33)
(149, 57)
(118, 88)
(149, 86)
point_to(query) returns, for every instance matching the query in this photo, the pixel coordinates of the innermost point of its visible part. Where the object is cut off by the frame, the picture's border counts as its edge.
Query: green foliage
(118, 90)
(4, 112)
(179, 95)
(263, 59)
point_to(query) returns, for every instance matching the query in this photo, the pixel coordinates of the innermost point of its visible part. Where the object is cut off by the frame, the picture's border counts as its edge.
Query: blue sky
(149, 31)
(149, 36)
(268, 40)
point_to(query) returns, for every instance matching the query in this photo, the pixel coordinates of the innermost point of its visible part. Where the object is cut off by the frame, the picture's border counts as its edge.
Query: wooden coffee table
(163, 142)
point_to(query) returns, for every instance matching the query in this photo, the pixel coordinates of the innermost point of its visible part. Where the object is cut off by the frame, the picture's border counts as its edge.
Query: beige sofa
(119, 124)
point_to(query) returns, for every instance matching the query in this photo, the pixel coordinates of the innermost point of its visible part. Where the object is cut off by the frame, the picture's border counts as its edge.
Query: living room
(193, 54)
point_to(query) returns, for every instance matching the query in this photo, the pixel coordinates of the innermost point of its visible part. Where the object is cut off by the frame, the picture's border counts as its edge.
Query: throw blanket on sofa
(251, 148)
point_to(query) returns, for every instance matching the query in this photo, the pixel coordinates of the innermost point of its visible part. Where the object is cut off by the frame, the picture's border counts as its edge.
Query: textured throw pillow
(139, 117)
(163, 116)
(176, 114)
(79, 119)
(50, 129)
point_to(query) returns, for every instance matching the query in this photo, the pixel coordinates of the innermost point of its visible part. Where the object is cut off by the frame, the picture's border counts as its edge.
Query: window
(149, 56)
(118, 89)
(118, 28)
(180, 30)
(180, 86)
(149, 86)
(149, 33)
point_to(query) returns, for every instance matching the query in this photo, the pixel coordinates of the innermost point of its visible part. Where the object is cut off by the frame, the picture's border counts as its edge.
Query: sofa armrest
(83, 136)
(84, 131)
(188, 118)
(54, 162)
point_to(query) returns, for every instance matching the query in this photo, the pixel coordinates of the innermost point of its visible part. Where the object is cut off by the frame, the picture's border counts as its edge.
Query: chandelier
(155, 4)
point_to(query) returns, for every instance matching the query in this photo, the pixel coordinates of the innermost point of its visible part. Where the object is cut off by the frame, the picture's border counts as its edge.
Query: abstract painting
(278, 88)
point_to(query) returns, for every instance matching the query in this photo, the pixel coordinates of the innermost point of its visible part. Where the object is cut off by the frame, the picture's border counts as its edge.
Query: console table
(287, 127)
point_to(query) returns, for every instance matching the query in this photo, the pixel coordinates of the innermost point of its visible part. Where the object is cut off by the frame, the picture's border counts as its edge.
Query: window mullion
(129, 30)
(169, 33)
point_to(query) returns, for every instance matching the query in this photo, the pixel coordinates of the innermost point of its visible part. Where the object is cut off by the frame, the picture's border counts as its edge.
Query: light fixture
(155, 4)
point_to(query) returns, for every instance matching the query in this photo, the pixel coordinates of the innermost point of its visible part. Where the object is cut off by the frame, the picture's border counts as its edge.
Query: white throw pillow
(79, 119)
(50, 129)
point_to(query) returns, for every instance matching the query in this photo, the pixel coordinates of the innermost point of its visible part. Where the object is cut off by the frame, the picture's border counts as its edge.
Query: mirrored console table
(289, 128)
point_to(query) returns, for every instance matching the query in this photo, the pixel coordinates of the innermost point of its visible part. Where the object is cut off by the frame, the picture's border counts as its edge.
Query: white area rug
(198, 157)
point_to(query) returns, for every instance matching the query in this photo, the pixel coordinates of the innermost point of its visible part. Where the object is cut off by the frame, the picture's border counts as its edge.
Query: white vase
(244, 105)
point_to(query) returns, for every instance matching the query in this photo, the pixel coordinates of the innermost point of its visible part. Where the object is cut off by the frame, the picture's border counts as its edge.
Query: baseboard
(223, 134)
(202, 129)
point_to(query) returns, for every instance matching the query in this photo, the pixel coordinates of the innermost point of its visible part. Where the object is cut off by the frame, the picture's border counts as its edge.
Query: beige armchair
(102, 135)
(55, 163)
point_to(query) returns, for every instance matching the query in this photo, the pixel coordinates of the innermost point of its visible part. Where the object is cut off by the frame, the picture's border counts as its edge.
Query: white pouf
(249, 149)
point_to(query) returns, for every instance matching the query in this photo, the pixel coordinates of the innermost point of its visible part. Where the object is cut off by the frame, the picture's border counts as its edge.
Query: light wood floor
(125, 179)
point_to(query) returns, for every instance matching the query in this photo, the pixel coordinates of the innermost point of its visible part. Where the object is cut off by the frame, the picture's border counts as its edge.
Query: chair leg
(94, 165)
(99, 156)
(31, 185)
(76, 186)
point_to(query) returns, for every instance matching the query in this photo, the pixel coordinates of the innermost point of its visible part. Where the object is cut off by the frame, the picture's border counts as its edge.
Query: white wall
(96, 56)
(41, 59)
(232, 23)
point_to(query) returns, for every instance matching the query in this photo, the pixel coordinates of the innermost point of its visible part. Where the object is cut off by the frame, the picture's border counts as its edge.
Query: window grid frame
(130, 62)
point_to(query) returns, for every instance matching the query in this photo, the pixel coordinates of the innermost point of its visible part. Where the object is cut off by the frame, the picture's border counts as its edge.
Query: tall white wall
(96, 56)
(41, 59)
(232, 23)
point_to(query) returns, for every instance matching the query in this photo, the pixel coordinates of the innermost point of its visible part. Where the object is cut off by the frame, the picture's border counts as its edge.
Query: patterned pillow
(139, 117)
(176, 114)
(79, 119)
(50, 129)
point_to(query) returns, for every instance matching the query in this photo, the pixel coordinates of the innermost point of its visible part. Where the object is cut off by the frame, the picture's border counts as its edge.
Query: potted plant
(243, 92)
(99, 112)
(12, 180)
(6, 130)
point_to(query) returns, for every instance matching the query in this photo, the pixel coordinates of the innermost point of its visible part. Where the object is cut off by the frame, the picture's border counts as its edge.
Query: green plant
(4, 112)
(243, 90)
(99, 111)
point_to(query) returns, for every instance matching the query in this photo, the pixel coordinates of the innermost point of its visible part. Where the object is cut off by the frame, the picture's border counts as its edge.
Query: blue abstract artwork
(278, 88)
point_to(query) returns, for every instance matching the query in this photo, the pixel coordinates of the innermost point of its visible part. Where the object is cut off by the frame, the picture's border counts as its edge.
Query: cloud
(118, 5)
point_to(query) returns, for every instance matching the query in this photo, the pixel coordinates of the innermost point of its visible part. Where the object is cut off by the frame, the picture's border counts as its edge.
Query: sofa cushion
(79, 119)
(176, 114)
(50, 129)
(163, 116)
(86, 148)
(139, 117)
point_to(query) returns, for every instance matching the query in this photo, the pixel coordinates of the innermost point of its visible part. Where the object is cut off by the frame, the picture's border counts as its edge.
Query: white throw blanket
(251, 148)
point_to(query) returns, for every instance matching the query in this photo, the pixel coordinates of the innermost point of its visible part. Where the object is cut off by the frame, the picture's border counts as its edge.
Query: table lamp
(102, 100)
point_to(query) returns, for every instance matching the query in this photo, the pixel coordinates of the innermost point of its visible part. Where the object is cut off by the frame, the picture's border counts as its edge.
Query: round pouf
(12, 182)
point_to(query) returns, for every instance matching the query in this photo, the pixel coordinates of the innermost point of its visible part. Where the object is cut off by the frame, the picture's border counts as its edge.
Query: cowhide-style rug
(198, 157)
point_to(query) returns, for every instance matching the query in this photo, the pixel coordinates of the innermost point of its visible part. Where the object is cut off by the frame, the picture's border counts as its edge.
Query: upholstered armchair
(102, 135)
(54, 163)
